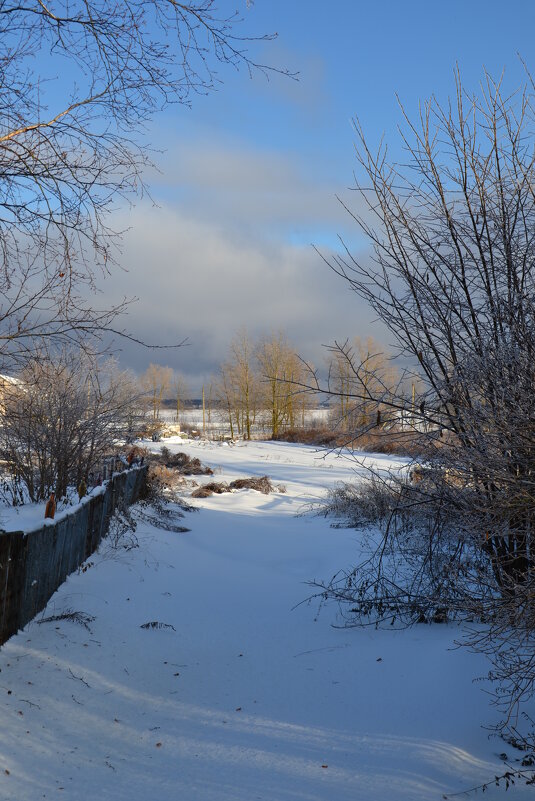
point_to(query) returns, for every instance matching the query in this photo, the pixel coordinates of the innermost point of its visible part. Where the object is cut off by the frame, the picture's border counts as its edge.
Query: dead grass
(82, 618)
(212, 488)
(262, 484)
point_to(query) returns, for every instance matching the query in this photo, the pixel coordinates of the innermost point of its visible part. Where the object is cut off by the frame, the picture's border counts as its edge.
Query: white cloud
(264, 194)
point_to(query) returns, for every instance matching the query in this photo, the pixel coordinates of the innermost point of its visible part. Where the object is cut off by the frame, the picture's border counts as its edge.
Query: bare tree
(70, 149)
(64, 414)
(453, 279)
(282, 375)
(225, 395)
(181, 392)
(362, 380)
(156, 381)
(260, 383)
(238, 389)
(247, 388)
(452, 275)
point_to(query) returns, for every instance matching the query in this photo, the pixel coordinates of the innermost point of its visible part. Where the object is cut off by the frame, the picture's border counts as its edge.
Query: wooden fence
(34, 564)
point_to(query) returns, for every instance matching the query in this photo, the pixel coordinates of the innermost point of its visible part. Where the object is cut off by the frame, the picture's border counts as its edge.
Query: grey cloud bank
(228, 254)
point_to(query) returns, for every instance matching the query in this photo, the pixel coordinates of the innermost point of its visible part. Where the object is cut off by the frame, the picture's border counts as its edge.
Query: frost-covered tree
(64, 414)
(452, 276)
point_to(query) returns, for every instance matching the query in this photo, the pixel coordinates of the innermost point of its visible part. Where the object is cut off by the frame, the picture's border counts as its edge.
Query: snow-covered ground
(217, 426)
(242, 695)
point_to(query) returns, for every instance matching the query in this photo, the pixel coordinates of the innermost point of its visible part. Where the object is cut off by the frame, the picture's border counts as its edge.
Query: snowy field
(242, 695)
(217, 425)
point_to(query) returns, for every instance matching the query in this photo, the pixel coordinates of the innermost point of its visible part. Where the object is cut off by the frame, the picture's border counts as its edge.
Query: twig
(29, 702)
(79, 678)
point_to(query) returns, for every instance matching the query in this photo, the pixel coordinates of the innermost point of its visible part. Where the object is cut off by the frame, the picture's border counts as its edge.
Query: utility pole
(203, 414)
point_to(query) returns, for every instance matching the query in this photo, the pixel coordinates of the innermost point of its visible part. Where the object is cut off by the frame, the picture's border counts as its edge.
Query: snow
(251, 694)
(31, 516)
(9, 379)
(217, 422)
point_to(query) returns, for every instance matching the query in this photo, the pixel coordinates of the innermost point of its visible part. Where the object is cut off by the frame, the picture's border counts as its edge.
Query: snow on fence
(33, 565)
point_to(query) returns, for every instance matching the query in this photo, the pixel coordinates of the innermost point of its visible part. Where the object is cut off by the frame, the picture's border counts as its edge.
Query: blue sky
(250, 174)
(353, 58)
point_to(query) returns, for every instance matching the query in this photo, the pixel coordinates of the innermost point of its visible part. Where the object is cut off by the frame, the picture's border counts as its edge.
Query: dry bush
(164, 479)
(308, 436)
(418, 562)
(181, 461)
(212, 488)
(193, 431)
(260, 484)
(161, 505)
(122, 530)
(400, 443)
(150, 427)
(163, 485)
(368, 503)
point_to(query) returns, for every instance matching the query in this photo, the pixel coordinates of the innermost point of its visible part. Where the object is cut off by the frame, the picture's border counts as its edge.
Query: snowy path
(245, 699)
